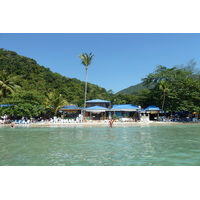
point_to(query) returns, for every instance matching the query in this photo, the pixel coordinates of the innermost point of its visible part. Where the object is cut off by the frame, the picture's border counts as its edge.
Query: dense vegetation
(176, 88)
(35, 90)
(33, 83)
(172, 89)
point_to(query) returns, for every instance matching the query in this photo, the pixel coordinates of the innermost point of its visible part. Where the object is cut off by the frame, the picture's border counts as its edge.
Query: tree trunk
(163, 101)
(86, 80)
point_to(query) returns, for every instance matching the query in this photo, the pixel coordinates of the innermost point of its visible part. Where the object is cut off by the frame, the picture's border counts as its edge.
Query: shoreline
(97, 124)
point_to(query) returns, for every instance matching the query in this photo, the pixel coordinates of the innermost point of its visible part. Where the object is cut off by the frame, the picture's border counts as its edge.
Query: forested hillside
(135, 89)
(39, 79)
(35, 90)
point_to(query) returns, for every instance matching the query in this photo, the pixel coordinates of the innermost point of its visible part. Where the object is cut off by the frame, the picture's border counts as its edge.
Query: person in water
(111, 123)
(12, 125)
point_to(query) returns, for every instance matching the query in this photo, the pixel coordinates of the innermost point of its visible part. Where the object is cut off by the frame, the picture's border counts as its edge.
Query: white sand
(98, 123)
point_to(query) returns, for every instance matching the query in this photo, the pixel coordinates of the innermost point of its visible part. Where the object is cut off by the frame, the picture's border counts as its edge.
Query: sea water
(101, 146)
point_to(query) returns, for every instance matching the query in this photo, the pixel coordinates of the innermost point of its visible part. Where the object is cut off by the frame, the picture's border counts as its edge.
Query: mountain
(36, 78)
(133, 89)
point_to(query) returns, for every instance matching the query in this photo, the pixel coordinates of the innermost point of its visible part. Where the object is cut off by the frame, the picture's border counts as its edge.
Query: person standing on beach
(111, 123)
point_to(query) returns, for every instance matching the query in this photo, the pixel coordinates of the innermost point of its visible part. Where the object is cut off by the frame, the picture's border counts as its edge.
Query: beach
(100, 123)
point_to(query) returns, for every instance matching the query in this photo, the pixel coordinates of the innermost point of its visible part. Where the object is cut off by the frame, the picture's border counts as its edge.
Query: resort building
(126, 110)
(98, 102)
(97, 109)
(150, 113)
(71, 111)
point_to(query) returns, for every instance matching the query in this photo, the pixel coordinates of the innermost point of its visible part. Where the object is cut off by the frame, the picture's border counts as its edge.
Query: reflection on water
(98, 146)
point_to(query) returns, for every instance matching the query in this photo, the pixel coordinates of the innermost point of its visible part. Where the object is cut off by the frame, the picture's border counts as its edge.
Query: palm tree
(163, 86)
(54, 102)
(86, 61)
(8, 84)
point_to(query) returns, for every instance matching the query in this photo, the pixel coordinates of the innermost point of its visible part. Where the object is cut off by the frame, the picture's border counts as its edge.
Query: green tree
(25, 103)
(86, 61)
(34, 77)
(163, 86)
(144, 98)
(8, 84)
(54, 102)
(180, 89)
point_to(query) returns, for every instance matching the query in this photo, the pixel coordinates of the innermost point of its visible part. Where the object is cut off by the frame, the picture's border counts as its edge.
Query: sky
(120, 59)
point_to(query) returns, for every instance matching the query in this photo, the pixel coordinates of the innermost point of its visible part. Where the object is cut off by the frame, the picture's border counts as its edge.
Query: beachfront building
(126, 111)
(71, 111)
(98, 102)
(97, 109)
(151, 113)
(96, 113)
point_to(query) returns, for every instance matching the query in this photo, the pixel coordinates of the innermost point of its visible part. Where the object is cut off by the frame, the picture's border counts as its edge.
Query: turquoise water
(100, 146)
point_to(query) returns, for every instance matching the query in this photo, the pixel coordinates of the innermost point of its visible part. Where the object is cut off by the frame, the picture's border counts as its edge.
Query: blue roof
(97, 101)
(96, 108)
(124, 107)
(152, 108)
(2, 105)
(71, 107)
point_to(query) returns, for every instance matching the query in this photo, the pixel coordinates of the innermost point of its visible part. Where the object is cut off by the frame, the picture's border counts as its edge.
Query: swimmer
(12, 124)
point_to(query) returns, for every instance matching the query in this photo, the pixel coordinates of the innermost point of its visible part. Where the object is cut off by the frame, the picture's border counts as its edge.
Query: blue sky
(120, 59)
